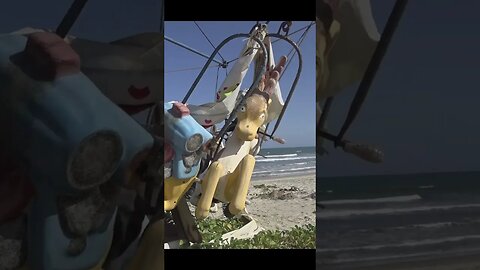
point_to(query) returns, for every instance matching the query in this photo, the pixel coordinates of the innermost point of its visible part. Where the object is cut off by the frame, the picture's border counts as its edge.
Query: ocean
(281, 162)
(367, 221)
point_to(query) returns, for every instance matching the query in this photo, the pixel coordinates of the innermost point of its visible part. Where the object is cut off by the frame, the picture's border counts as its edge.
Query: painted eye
(243, 109)
(262, 116)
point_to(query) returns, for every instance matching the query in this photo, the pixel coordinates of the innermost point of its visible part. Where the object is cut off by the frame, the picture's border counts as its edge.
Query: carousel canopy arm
(372, 68)
(221, 63)
(70, 18)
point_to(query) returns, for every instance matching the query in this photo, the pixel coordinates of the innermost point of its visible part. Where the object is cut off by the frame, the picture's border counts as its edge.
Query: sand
(280, 203)
(283, 203)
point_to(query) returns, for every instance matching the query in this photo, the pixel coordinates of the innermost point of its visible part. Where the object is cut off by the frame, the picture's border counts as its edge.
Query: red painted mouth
(139, 93)
(208, 123)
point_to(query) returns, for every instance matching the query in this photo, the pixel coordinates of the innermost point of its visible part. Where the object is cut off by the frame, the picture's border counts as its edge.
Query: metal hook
(285, 27)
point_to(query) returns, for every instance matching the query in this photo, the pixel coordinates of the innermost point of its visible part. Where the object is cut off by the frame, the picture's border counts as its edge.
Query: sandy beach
(280, 203)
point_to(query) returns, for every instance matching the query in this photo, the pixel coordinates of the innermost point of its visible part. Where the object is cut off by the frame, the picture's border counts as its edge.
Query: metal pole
(372, 68)
(70, 18)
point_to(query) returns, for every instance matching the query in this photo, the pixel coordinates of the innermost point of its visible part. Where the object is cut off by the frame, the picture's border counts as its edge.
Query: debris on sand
(265, 187)
(271, 192)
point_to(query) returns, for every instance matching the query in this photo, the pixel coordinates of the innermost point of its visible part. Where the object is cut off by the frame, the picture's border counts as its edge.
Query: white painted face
(128, 87)
(128, 71)
(208, 114)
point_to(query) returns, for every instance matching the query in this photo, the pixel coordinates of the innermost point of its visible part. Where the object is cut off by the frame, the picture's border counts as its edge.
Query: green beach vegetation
(298, 237)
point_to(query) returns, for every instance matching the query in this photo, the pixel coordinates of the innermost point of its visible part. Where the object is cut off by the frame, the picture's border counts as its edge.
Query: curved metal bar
(212, 56)
(297, 77)
(285, 27)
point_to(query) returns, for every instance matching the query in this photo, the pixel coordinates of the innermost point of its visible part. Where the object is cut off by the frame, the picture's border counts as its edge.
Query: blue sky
(298, 124)
(104, 20)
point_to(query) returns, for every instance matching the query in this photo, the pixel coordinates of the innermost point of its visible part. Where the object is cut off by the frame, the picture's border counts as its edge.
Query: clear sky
(298, 124)
(103, 20)
(423, 106)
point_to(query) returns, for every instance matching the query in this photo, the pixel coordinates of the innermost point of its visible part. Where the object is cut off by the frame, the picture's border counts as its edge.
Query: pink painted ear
(50, 57)
(179, 110)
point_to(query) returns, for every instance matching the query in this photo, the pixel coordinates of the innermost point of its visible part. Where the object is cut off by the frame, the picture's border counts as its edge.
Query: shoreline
(286, 177)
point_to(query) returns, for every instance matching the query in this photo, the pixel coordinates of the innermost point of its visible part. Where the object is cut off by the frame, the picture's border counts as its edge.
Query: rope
(188, 69)
(205, 35)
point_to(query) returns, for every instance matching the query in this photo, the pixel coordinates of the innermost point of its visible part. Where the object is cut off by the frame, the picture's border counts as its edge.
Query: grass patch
(299, 237)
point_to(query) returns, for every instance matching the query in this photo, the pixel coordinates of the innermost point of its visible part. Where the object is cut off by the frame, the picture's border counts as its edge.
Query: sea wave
(403, 244)
(406, 198)
(390, 211)
(286, 170)
(277, 156)
(284, 159)
(300, 163)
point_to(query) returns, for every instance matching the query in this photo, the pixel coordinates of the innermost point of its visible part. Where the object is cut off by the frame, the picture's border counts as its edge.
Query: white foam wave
(300, 163)
(404, 244)
(278, 156)
(284, 159)
(406, 198)
(287, 170)
(389, 211)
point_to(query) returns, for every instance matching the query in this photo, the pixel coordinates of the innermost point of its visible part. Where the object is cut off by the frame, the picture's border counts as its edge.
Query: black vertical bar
(70, 18)
(373, 66)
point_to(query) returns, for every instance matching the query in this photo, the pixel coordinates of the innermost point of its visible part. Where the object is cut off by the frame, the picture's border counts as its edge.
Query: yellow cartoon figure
(228, 178)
